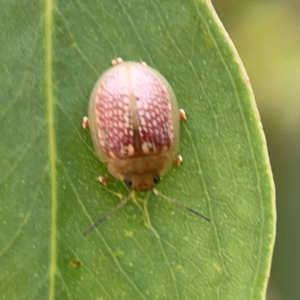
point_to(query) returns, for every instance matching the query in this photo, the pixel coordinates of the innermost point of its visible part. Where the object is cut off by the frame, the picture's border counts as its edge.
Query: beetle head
(142, 183)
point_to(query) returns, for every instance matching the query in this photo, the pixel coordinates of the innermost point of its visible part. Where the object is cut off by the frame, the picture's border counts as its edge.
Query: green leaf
(51, 55)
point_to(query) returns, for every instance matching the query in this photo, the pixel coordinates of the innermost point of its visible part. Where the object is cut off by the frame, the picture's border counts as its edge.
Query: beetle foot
(116, 61)
(104, 179)
(178, 160)
(182, 114)
(85, 123)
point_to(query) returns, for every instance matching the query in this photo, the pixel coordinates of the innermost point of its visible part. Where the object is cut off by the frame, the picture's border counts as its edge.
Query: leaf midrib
(52, 154)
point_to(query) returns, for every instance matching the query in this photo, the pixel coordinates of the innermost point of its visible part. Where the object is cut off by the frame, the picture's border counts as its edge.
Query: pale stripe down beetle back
(134, 123)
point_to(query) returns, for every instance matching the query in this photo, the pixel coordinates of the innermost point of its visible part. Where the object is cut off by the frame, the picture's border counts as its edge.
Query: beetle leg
(104, 179)
(178, 160)
(116, 61)
(85, 123)
(182, 115)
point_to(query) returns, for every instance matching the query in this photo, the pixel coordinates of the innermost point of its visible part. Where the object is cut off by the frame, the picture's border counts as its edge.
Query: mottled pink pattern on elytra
(114, 124)
(115, 127)
(154, 108)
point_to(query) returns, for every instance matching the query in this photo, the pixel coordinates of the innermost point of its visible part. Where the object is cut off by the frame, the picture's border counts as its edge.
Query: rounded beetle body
(134, 123)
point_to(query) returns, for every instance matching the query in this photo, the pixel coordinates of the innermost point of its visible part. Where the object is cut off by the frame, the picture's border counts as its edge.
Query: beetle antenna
(181, 205)
(107, 215)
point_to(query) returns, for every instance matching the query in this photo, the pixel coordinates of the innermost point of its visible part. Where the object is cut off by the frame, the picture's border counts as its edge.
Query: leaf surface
(52, 54)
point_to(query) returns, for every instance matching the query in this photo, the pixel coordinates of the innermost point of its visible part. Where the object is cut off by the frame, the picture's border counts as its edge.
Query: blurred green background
(267, 37)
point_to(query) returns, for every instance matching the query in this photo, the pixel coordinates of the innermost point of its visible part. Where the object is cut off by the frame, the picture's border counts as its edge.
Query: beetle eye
(128, 183)
(156, 179)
